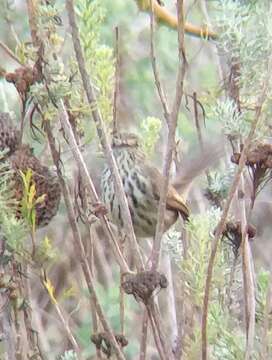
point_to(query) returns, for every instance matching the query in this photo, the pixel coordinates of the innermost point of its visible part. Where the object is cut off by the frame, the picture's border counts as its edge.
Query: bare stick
(172, 124)
(265, 338)
(102, 136)
(144, 336)
(248, 277)
(226, 209)
(78, 245)
(116, 85)
(32, 9)
(155, 68)
(10, 53)
(155, 314)
(171, 120)
(198, 128)
(84, 171)
(155, 335)
(63, 319)
(164, 16)
(95, 327)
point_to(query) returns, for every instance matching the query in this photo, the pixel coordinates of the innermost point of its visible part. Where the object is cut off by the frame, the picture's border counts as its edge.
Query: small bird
(141, 182)
(21, 158)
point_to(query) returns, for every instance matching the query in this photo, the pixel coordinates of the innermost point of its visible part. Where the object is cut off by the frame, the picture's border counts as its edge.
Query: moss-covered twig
(164, 16)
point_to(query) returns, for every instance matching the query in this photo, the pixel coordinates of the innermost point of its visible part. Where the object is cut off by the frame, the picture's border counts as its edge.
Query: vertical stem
(226, 209)
(144, 336)
(248, 278)
(172, 124)
(78, 245)
(102, 135)
(116, 85)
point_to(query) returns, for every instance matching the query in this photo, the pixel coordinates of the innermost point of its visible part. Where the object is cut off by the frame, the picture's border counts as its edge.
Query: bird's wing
(173, 200)
(192, 167)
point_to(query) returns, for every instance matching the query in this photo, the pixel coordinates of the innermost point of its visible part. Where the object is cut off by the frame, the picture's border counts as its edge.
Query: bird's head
(125, 140)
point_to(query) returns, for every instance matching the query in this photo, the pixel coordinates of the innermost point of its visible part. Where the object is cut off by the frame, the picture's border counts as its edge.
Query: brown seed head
(46, 183)
(9, 135)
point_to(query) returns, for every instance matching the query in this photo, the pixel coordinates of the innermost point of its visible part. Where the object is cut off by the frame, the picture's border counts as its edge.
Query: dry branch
(164, 16)
(232, 191)
(102, 135)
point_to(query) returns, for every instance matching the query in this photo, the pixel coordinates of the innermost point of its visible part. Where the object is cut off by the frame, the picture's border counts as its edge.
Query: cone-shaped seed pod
(9, 136)
(21, 159)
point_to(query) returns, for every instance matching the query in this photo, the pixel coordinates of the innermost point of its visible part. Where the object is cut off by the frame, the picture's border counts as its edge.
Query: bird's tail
(192, 168)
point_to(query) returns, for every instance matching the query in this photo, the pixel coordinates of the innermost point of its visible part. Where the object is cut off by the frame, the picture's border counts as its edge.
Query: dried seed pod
(21, 158)
(259, 163)
(46, 183)
(9, 135)
(143, 284)
(23, 78)
(233, 234)
(103, 343)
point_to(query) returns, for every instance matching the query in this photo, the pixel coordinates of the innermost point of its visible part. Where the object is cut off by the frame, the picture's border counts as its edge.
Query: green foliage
(109, 300)
(263, 278)
(29, 199)
(250, 45)
(99, 57)
(69, 355)
(232, 120)
(245, 33)
(56, 84)
(194, 266)
(225, 335)
(219, 182)
(46, 253)
(150, 133)
(218, 185)
(226, 338)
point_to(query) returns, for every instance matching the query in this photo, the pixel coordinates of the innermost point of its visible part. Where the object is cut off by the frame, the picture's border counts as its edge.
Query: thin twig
(226, 209)
(6, 327)
(164, 16)
(95, 327)
(28, 311)
(248, 277)
(90, 186)
(158, 84)
(144, 336)
(172, 124)
(214, 50)
(171, 304)
(32, 11)
(103, 137)
(155, 335)
(171, 120)
(198, 128)
(63, 320)
(10, 53)
(267, 315)
(116, 83)
(156, 317)
(78, 245)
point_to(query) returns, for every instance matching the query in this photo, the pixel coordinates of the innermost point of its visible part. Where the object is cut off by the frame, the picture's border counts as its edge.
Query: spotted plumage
(141, 183)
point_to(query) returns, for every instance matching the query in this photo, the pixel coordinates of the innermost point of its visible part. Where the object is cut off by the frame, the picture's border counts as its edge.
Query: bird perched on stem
(142, 183)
